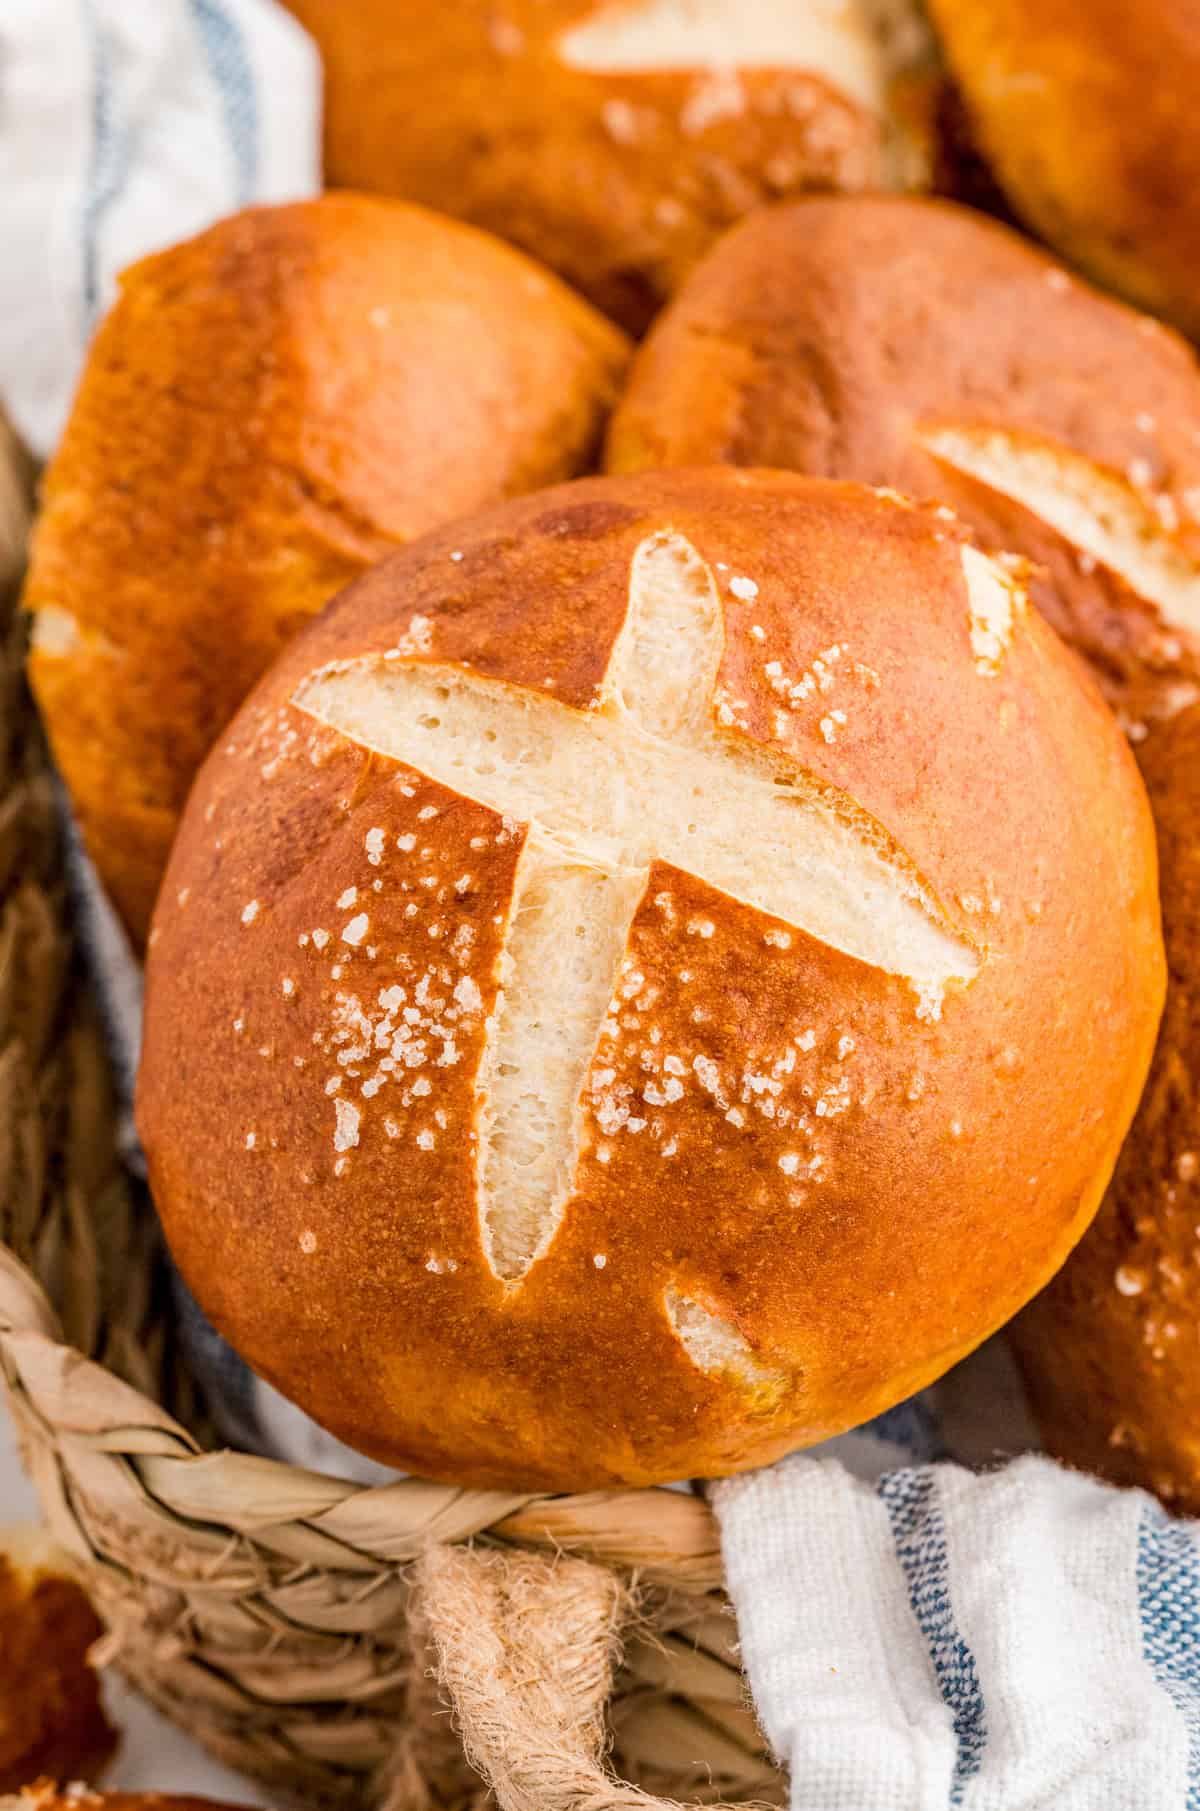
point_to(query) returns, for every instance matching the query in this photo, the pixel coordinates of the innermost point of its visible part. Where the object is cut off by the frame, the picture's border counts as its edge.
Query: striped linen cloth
(125, 125)
(933, 1637)
(922, 1626)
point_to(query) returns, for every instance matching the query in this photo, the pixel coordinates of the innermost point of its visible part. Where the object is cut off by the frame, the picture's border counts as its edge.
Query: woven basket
(309, 1632)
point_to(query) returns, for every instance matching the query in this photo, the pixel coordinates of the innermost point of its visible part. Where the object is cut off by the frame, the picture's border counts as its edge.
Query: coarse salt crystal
(345, 1136)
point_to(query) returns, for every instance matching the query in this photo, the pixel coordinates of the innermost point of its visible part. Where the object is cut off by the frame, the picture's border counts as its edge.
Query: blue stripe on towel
(233, 76)
(1168, 1579)
(920, 1539)
(108, 163)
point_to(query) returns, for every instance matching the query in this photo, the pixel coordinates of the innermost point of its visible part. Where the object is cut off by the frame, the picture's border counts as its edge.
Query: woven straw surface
(310, 1632)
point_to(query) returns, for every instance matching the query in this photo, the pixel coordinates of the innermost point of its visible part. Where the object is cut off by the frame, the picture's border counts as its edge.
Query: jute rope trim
(525, 1649)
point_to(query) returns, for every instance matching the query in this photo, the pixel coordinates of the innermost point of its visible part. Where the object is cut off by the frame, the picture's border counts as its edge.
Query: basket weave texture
(312, 1633)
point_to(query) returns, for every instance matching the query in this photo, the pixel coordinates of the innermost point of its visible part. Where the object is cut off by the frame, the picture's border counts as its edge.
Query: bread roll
(656, 974)
(915, 344)
(616, 138)
(267, 409)
(46, 1796)
(1111, 1351)
(1086, 111)
(51, 1716)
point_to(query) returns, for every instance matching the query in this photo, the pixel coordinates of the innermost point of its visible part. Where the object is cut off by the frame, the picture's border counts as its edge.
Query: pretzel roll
(616, 138)
(1086, 110)
(268, 409)
(45, 1795)
(912, 343)
(51, 1716)
(656, 974)
(1111, 1350)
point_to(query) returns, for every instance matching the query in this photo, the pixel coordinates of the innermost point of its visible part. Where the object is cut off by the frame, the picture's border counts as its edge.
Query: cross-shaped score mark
(644, 776)
(842, 44)
(1096, 512)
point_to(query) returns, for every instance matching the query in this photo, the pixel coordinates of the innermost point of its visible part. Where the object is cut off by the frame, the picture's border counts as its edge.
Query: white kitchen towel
(1026, 1639)
(125, 125)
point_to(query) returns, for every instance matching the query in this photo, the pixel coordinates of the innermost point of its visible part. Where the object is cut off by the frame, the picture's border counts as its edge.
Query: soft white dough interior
(995, 601)
(854, 45)
(1096, 511)
(713, 1345)
(56, 632)
(604, 792)
(566, 935)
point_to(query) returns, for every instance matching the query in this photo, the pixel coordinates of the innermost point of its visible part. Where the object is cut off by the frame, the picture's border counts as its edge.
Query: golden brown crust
(1086, 110)
(328, 1261)
(268, 408)
(1111, 1350)
(51, 1716)
(828, 336)
(619, 178)
(45, 1795)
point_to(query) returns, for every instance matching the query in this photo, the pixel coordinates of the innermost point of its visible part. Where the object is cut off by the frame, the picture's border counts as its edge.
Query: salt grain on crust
(345, 1136)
